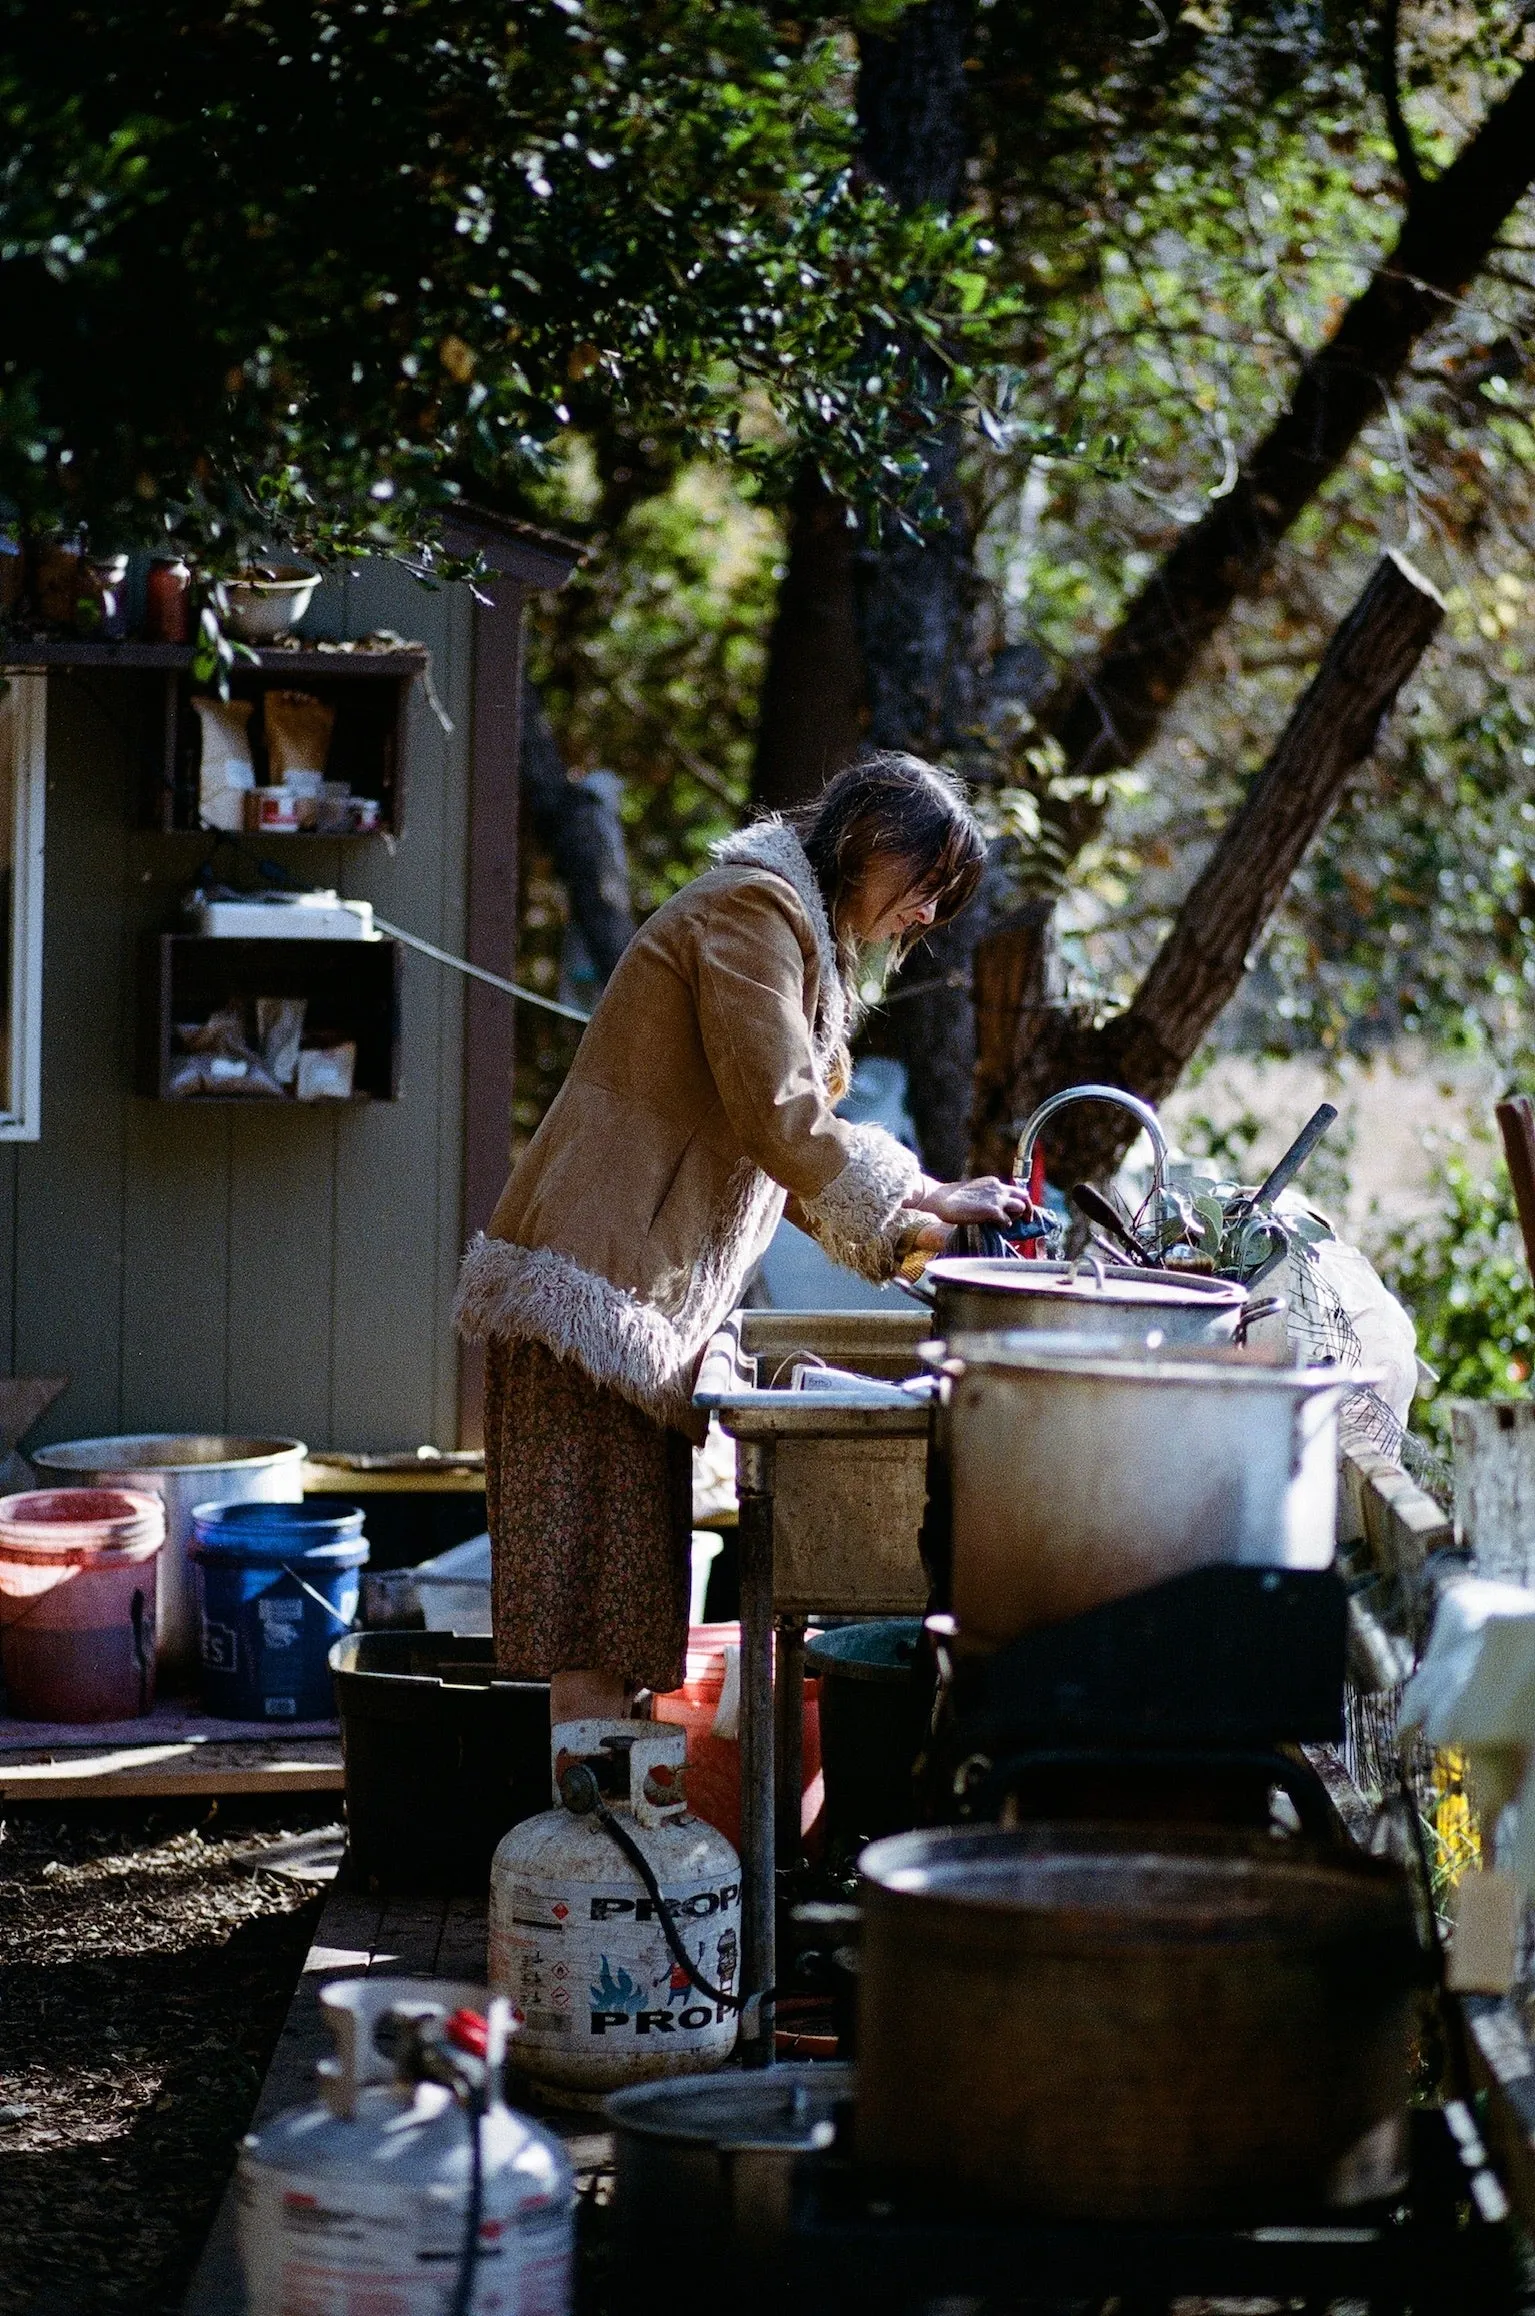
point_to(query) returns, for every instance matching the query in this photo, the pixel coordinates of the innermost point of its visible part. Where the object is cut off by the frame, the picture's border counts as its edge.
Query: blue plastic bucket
(278, 1584)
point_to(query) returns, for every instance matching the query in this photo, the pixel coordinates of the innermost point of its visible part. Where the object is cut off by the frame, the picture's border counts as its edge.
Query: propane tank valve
(578, 1789)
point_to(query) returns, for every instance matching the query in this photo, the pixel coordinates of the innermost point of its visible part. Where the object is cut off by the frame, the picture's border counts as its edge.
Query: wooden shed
(244, 1264)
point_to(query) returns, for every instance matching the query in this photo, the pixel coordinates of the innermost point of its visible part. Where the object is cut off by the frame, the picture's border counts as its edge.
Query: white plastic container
(575, 1942)
(360, 2202)
(316, 916)
(454, 1589)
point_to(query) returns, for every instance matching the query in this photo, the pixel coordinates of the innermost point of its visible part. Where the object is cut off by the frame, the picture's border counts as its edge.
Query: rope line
(480, 972)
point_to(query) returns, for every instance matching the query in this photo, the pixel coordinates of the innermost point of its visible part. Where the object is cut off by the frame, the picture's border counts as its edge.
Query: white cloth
(1475, 1689)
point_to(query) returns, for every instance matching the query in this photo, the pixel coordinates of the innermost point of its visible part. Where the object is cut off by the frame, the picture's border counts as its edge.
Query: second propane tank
(575, 1940)
(365, 2200)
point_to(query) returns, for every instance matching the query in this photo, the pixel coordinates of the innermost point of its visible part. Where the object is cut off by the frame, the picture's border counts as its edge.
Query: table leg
(754, 1486)
(789, 1733)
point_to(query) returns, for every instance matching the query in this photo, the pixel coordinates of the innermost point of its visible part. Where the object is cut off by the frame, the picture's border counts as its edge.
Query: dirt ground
(147, 1958)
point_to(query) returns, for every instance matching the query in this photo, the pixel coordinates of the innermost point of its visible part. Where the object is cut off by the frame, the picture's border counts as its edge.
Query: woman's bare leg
(588, 1696)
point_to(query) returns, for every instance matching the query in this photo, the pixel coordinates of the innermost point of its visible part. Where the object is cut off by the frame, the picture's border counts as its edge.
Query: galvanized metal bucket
(183, 1469)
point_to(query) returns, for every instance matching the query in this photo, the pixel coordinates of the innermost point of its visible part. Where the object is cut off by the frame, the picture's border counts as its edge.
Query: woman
(702, 1098)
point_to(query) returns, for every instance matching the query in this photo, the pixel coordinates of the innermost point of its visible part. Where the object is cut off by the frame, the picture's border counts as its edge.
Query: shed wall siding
(241, 1269)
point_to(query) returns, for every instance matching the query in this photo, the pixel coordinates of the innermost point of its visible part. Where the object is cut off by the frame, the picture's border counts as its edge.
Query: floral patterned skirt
(590, 1504)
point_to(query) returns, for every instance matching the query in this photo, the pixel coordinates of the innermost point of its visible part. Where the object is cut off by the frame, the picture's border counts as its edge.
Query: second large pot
(1079, 1478)
(1085, 2024)
(984, 1294)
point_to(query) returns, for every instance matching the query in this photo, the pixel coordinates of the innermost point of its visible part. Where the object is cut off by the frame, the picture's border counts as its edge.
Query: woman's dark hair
(895, 805)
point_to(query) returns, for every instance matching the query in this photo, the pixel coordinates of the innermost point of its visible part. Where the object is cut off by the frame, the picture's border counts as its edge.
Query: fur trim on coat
(856, 1214)
(771, 843)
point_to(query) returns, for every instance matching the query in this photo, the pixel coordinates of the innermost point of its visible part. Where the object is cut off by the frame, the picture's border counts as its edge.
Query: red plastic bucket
(77, 1603)
(714, 1761)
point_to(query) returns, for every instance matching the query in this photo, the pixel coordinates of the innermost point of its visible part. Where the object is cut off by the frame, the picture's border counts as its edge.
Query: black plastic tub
(877, 1683)
(441, 1758)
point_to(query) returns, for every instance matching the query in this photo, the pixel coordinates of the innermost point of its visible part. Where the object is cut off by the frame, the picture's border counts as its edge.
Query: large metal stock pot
(1081, 1476)
(984, 1294)
(1092, 2023)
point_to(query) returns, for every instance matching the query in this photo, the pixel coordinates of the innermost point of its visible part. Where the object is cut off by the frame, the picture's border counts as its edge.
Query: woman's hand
(984, 1199)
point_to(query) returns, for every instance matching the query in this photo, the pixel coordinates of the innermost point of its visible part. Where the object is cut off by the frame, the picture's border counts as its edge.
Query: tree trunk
(1016, 990)
(580, 829)
(1110, 716)
(916, 599)
(811, 719)
(1200, 965)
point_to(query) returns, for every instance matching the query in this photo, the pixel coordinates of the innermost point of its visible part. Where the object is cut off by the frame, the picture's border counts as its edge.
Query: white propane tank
(362, 2200)
(598, 1996)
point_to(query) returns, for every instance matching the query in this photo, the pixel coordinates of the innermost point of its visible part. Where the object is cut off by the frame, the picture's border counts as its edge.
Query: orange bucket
(714, 1758)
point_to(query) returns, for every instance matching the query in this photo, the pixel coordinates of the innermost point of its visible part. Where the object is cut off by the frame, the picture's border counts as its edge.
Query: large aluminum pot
(1134, 2024)
(184, 1469)
(1079, 1477)
(711, 2162)
(984, 1294)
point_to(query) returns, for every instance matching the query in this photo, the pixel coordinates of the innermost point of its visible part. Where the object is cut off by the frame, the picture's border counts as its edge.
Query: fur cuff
(853, 1214)
(510, 1293)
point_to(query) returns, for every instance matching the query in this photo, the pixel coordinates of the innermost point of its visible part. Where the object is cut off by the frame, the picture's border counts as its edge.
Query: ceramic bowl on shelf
(266, 602)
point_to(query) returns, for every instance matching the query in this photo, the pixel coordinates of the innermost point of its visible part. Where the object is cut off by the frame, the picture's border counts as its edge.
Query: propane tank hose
(475, 2103)
(578, 1792)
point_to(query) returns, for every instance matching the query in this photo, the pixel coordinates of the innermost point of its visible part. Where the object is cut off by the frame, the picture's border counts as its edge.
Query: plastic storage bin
(277, 1583)
(877, 1684)
(442, 1758)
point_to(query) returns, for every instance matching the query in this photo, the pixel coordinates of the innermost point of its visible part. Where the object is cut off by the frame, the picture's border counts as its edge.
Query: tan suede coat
(700, 1097)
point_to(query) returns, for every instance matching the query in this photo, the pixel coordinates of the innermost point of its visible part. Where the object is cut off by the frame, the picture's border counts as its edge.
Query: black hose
(578, 1791)
(469, 2256)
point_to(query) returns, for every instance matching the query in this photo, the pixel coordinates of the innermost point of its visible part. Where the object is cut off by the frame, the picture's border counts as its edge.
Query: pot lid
(1137, 1290)
(789, 2108)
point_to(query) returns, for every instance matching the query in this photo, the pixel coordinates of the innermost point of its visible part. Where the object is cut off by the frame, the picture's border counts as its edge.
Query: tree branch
(1408, 166)
(1111, 713)
(1200, 965)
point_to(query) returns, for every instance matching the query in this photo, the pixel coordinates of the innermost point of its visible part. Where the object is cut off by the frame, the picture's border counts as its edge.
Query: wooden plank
(1503, 2067)
(1355, 1816)
(155, 1772)
(489, 1020)
(119, 658)
(175, 1269)
(8, 1256)
(452, 994)
(282, 1179)
(322, 1478)
(1402, 1526)
(409, 1935)
(461, 1952)
(69, 1206)
(389, 1170)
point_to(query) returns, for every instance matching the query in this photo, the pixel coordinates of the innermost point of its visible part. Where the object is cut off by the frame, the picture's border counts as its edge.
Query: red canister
(168, 601)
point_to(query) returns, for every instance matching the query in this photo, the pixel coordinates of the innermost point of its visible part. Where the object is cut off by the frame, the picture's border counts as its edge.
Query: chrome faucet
(1141, 1111)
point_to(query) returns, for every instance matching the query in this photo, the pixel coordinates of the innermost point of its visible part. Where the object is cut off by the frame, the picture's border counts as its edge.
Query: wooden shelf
(352, 991)
(66, 652)
(367, 692)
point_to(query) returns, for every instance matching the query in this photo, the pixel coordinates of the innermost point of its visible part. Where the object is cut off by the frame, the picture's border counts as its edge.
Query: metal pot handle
(1259, 1307)
(1094, 1263)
